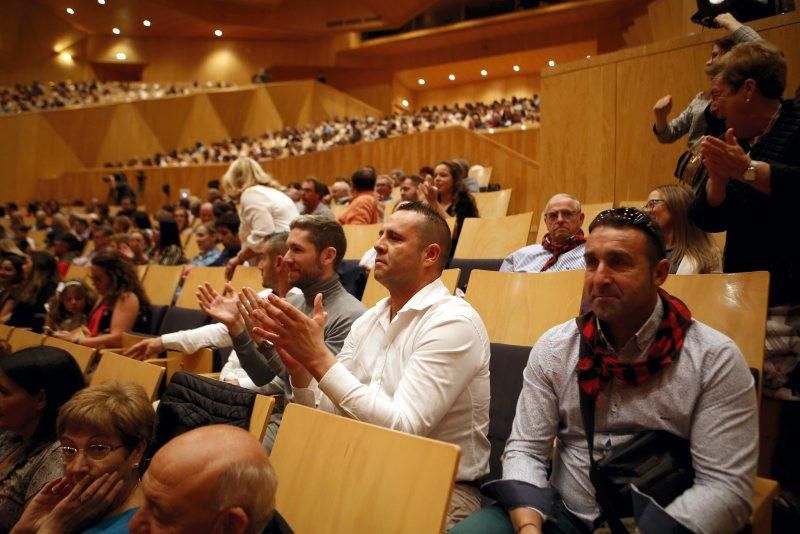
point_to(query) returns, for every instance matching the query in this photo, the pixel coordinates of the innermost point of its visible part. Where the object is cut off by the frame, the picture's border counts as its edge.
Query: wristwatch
(750, 174)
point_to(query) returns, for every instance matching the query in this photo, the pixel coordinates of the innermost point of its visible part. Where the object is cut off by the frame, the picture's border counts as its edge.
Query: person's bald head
(211, 479)
(206, 212)
(562, 217)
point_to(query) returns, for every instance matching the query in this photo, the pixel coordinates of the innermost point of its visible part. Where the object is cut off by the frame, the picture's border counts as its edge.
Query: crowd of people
(634, 376)
(294, 141)
(69, 94)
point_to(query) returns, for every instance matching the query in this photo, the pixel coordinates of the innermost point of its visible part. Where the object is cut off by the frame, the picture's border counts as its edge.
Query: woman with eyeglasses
(689, 249)
(34, 383)
(121, 306)
(104, 431)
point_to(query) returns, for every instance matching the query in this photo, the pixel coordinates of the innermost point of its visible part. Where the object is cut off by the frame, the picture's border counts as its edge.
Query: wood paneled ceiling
(246, 19)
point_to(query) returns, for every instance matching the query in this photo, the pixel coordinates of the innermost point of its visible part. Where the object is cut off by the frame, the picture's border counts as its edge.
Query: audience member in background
(227, 230)
(206, 238)
(313, 191)
(191, 487)
(80, 226)
(12, 275)
(362, 208)
(66, 248)
(294, 192)
(408, 188)
(104, 431)
(181, 216)
(417, 362)
(170, 250)
(447, 194)
(562, 246)
(645, 364)
(41, 220)
(264, 210)
(127, 206)
(206, 212)
(69, 309)
(383, 187)
(689, 249)
(21, 236)
(121, 306)
(35, 382)
(698, 119)
(39, 284)
(340, 192)
(758, 183)
(397, 176)
(121, 224)
(103, 238)
(135, 247)
(426, 173)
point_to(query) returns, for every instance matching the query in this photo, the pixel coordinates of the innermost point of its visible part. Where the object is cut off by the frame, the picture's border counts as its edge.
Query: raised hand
(222, 309)
(727, 21)
(249, 302)
(661, 110)
(147, 348)
(40, 505)
(88, 501)
(230, 267)
(724, 158)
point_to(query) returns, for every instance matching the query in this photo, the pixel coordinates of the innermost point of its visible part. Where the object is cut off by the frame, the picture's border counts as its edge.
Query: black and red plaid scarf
(558, 250)
(597, 364)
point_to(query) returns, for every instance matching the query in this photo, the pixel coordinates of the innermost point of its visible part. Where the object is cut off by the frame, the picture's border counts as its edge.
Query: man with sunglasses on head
(637, 362)
(562, 247)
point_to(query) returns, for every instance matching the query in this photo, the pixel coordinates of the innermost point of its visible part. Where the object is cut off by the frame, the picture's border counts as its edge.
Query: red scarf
(558, 250)
(597, 365)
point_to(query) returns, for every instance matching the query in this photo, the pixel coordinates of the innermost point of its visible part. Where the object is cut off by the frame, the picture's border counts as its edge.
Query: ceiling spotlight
(484, 73)
(115, 31)
(404, 102)
(588, 57)
(70, 11)
(101, 2)
(66, 57)
(146, 23)
(218, 33)
(121, 56)
(421, 81)
(552, 63)
(516, 68)
(452, 77)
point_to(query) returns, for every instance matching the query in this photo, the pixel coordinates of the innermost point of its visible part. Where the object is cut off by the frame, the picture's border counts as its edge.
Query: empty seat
(493, 203)
(160, 283)
(199, 275)
(360, 238)
(493, 237)
(247, 276)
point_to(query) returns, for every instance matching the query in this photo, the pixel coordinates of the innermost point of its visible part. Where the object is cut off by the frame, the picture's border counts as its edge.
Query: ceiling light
(70, 11)
(516, 68)
(121, 56)
(66, 57)
(146, 23)
(452, 77)
(101, 2)
(218, 33)
(552, 63)
(404, 102)
(484, 73)
(587, 57)
(421, 81)
(115, 31)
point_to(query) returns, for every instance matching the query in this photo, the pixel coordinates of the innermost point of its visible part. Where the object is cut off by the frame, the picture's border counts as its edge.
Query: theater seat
(176, 319)
(467, 265)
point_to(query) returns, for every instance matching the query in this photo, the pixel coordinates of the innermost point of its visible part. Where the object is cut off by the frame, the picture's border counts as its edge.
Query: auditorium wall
(510, 169)
(596, 139)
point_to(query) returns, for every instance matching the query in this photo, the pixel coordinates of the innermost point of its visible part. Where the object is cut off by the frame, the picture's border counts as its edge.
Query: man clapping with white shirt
(417, 362)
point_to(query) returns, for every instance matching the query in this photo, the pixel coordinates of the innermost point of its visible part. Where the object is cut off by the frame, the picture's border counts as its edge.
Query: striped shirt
(532, 258)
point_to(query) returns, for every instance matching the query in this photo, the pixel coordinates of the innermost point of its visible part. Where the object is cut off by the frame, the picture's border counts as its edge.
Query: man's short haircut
(228, 220)
(319, 188)
(434, 228)
(413, 177)
(632, 218)
(250, 485)
(323, 233)
(106, 231)
(364, 179)
(70, 240)
(276, 244)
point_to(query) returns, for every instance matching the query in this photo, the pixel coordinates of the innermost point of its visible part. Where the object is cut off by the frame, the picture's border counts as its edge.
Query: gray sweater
(343, 309)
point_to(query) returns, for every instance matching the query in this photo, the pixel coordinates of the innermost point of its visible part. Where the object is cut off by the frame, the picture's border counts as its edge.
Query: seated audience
(191, 487)
(206, 239)
(66, 248)
(759, 183)
(69, 309)
(408, 188)
(12, 275)
(562, 246)
(362, 208)
(206, 213)
(170, 250)
(181, 216)
(121, 306)
(22, 236)
(104, 431)
(39, 284)
(121, 224)
(263, 209)
(643, 364)
(35, 382)
(313, 191)
(447, 193)
(226, 227)
(417, 362)
(340, 192)
(383, 187)
(135, 247)
(689, 249)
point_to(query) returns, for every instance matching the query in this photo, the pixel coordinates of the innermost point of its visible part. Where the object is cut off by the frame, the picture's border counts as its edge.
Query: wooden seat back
(160, 283)
(360, 238)
(115, 367)
(395, 482)
(259, 418)
(375, 291)
(493, 203)
(5, 332)
(198, 275)
(77, 272)
(84, 356)
(247, 276)
(21, 338)
(493, 237)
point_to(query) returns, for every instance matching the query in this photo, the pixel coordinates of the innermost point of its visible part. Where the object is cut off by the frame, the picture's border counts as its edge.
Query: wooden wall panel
(526, 141)
(409, 153)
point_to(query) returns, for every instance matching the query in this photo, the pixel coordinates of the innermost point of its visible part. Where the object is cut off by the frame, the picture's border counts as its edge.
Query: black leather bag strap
(600, 490)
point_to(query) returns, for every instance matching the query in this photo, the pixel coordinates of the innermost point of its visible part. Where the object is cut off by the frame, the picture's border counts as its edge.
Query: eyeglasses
(651, 204)
(95, 451)
(629, 217)
(552, 216)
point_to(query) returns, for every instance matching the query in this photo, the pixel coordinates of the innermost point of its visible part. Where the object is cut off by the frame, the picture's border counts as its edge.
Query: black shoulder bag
(657, 462)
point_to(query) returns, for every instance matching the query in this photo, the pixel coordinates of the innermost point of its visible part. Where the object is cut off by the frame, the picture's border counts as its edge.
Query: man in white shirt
(417, 362)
